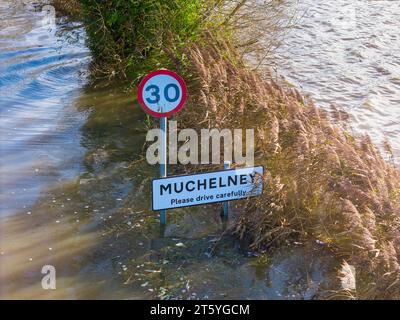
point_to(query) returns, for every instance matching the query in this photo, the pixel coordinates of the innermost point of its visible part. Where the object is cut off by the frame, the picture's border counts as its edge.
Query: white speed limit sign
(162, 93)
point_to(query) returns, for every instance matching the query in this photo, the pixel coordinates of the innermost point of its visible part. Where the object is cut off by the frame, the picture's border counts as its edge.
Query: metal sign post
(163, 160)
(227, 166)
(161, 94)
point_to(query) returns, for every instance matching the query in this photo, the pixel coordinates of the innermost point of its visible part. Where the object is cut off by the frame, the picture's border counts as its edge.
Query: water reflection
(71, 225)
(44, 218)
(41, 73)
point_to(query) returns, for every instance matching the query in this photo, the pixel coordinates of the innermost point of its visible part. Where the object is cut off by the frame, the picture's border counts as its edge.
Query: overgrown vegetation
(129, 38)
(321, 182)
(72, 8)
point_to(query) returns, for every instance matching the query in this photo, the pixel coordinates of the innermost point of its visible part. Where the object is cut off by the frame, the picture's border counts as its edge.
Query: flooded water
(41, 73)
(348, 53)
(75, 191)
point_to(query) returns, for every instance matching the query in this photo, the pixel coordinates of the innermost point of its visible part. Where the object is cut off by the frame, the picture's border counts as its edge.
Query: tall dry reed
(321, 182)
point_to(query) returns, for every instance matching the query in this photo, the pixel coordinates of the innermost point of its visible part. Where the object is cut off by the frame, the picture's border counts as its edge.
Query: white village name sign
(203, 188)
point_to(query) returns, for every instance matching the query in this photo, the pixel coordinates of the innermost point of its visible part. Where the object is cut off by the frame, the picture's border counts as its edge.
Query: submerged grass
(321, 183)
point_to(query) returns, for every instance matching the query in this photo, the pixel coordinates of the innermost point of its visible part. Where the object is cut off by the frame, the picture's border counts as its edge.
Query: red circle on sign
(156, 73)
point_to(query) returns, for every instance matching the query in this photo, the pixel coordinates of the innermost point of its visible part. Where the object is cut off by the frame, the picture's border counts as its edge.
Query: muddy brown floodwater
(75, 191)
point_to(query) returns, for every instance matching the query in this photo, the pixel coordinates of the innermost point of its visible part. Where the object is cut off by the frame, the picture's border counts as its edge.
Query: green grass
(131, 38)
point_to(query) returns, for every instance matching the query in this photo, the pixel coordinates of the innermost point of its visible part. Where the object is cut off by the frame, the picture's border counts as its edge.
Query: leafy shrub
(132, 37)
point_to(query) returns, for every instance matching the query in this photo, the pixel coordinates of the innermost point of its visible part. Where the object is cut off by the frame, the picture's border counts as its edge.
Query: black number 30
(155, 93)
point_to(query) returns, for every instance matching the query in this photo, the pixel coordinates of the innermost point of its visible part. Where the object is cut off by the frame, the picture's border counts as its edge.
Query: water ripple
(348, 53)
(41, 73)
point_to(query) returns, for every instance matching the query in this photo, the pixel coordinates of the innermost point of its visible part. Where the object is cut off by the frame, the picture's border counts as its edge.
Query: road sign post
(161, 94)
(163, 160)
(227, 165)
